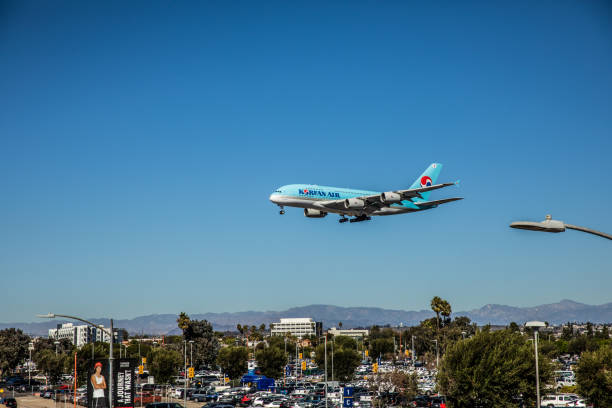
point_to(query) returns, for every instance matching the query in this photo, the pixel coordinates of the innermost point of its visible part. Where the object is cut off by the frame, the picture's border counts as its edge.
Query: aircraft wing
(373, 202)
(436, 202)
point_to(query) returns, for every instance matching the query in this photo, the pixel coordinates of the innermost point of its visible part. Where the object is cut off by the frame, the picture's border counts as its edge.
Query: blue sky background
(139, 143)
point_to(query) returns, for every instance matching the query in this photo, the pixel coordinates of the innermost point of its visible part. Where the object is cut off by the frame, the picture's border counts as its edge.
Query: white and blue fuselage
(313, 197)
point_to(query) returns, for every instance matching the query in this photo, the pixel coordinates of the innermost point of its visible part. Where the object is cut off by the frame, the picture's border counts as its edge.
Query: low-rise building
(299, 326)
(80, 335)
(355, 333)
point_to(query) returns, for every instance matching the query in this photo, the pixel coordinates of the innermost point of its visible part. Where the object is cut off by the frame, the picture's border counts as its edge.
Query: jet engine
(310, 213)
(390, 197)
(353, 203)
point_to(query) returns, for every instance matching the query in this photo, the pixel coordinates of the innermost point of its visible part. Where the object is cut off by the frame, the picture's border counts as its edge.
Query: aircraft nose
(273, 197)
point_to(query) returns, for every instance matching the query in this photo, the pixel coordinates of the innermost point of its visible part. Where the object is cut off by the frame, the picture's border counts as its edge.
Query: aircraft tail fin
(428, 178)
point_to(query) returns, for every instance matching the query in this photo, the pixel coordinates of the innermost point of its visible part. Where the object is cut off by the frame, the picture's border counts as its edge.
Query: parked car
(163, 405)
(10, 403)
(146, 398)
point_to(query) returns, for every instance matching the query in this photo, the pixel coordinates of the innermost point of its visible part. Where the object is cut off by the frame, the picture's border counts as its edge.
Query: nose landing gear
(282, 210)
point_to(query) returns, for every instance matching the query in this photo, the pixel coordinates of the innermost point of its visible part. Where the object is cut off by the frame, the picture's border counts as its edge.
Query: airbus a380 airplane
(318, 201)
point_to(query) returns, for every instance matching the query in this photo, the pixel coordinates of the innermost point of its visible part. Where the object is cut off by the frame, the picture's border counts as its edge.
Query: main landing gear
(361, 218)
(356, 219)
(282, 210)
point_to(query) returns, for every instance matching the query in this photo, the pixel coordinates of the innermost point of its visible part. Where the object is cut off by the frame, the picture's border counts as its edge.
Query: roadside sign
(191, 372)
(140, 369)
(301, 356)
(348, 392)
(367, 353)
(303, 366)
(144, 360)
(347, 403)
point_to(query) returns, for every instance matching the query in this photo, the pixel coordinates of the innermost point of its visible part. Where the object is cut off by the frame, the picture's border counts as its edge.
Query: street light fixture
(112, 340)
(536, 327)
(550, 225)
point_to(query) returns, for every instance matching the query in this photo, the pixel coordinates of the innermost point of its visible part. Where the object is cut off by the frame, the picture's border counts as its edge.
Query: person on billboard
(99, 385)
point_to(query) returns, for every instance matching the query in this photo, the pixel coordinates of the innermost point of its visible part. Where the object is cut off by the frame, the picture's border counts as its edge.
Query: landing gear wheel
(282, 210)
(343, 219)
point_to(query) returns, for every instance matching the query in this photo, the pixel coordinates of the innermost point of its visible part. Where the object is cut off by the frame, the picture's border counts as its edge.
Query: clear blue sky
(139, 142)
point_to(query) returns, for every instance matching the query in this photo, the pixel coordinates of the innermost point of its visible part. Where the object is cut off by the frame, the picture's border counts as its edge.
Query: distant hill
(351, 317)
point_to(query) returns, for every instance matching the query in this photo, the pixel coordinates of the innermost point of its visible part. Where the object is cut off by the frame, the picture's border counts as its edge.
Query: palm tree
(446, 310)
(340, 324)
(436, 306)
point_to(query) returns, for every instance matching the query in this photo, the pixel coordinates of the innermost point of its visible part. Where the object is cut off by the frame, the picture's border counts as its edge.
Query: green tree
(491, 369)
(345, 342)
(405, 384)
(183, 321)
(594, 376)
(205, 343)
(345, 363)
(13, 348)
(436, 306)
(164, 364)
(271, 361)
(380, 347)
(233, 361)
(52, 364)
(514, 327)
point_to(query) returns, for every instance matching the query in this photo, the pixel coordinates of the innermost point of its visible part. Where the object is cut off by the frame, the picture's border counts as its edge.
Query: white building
(355, 333)
(80, 335)
(300, 327)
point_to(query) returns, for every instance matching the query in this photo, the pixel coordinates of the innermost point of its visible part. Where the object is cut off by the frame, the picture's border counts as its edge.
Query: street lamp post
(56, 346)
(550, 225)
(112, 340)
(437, 355)
(30, 348)
(325, 369)
(536, 326)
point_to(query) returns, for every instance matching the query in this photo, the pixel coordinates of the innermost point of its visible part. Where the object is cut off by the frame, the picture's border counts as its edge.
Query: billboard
(123, 387)
(123, 383)
(97, 384)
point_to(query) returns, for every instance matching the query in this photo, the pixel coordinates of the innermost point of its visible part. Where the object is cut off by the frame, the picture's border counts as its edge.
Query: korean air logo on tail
(426, 181)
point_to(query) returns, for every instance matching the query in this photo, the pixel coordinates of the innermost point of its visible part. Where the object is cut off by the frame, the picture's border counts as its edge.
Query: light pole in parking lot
(325, 369)
(536, 327)
(437, 355)
(185, 383)
(550, 225)
(112, 340)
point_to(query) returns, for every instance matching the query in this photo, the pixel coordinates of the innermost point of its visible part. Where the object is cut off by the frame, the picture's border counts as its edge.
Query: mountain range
(351, 317)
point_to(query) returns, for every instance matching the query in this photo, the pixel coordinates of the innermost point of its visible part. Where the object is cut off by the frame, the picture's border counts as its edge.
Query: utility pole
(325, 370)
(413, 356)
(333, 360)
(185, 383)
